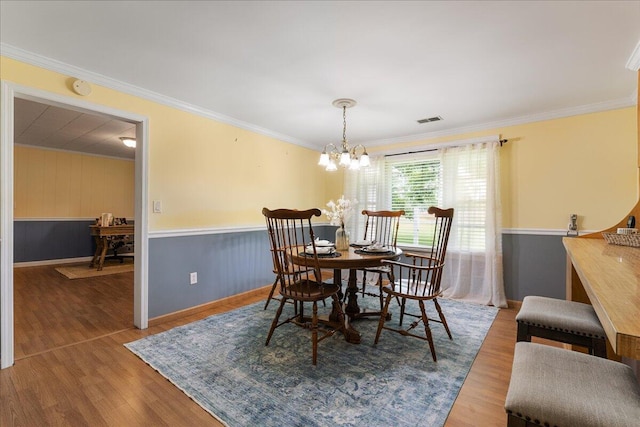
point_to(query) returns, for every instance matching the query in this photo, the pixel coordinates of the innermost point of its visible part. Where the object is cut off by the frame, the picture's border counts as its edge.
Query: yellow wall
(207, 174)
(211, 174)
(60, 184)
(583, 164)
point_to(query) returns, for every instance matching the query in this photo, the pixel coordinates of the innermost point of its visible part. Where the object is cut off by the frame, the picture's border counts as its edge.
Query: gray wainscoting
(236, 262)
(227, 264)
(47, 240)
(534, 265)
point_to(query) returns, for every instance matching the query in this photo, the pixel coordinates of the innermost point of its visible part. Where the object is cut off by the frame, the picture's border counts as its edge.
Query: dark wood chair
(276, 282)
(420, 281)
(290, 234)
(381, 227)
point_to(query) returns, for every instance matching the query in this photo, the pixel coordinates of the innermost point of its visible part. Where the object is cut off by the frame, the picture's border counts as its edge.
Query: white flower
(339, 212)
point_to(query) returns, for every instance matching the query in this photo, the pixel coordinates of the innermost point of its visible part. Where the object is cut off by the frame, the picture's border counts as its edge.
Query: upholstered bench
(551, 386)
(560, 320)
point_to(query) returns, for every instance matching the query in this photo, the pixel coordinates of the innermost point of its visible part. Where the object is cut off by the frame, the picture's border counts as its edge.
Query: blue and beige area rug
(221, 362)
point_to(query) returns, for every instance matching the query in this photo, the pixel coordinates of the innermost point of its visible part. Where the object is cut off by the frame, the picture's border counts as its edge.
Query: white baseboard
(52, 262)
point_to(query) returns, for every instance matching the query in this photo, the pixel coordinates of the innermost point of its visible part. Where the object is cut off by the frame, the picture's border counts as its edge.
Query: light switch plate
(157, 206)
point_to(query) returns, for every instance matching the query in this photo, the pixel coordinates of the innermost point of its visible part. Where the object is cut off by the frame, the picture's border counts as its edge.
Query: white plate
(376, 249)
(323, 243)
(321, 250)
(363, 242)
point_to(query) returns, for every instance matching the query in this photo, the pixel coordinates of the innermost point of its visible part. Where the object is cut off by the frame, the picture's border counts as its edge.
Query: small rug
(82, 271)
(221, 362)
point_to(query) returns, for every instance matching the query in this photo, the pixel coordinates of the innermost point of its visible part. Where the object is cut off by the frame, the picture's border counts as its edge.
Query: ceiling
(275, 67)
(58, 128)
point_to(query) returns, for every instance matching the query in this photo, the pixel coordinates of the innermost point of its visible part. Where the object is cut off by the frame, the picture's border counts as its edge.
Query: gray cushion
(560, 315)
(557, 387)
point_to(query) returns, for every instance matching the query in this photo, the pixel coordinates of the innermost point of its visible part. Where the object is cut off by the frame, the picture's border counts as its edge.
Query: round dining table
(352, 259)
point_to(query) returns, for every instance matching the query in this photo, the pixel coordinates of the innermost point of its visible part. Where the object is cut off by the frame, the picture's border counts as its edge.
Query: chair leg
(523, 332)
(364, 281)
(598, 348)
(404, 300)
(273, 288)
(442, 319)
(380, 293)
(314, 332)
(274, 324)
(383, 316)
(427, 330)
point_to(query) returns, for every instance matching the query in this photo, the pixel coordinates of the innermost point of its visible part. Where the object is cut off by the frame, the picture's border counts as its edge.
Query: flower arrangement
(339, 212)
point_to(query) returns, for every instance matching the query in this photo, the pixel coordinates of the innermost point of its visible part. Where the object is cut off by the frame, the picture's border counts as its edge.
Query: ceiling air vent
(430, 119)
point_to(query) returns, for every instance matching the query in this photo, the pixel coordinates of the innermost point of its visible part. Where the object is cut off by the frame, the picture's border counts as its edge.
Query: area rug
(82, 271)
(221, 362)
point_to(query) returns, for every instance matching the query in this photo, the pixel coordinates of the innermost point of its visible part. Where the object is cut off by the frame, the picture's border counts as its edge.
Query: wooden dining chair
(420, 281)
(290, 234)
(380, 227)
(276, 281)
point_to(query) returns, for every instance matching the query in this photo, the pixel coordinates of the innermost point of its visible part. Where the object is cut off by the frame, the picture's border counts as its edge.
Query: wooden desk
(101, 235)
(609, 276)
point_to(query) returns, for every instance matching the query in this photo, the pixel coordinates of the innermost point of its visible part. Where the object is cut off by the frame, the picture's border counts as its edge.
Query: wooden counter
(610, 276)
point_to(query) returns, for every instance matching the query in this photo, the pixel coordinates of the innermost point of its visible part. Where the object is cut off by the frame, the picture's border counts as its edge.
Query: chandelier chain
(344, 125)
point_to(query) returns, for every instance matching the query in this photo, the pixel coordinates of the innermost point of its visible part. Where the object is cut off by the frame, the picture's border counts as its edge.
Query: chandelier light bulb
(324, 159)
(345, 159)
(364, 160)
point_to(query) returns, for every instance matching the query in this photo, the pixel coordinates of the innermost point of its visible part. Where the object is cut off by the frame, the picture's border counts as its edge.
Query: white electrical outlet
(193, 278)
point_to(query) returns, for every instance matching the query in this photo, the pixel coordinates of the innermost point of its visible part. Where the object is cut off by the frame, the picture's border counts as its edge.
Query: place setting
(372, 248)
(324, 248)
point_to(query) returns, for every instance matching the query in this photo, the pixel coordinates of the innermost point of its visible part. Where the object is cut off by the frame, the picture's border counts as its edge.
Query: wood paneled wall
(61, 184)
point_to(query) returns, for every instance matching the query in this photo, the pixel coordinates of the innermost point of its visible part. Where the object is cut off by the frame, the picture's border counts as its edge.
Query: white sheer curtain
(471, 186)
(364, 186)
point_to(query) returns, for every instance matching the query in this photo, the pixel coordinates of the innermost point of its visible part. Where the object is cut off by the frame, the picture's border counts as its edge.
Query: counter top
(610, 275)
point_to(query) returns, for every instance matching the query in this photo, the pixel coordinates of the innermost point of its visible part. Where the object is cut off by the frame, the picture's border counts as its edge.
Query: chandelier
(332, 156)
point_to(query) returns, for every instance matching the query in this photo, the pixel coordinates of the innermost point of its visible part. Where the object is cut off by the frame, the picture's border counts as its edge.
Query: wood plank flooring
(85, 376)
(52, 311)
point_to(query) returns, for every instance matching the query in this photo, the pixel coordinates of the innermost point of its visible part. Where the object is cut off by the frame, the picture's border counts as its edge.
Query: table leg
(353, 310)
(96, 255)
(103, 253)
(351, 334)
(352, 294)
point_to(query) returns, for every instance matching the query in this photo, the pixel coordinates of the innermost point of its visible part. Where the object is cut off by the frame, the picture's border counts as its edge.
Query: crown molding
(629, 101)
(633, 63)
(96, 78)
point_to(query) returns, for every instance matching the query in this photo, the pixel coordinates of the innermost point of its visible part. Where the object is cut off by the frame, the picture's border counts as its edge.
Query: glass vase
(342, 239)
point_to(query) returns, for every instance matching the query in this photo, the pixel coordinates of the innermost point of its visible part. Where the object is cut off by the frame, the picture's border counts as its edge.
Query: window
(414, 182)
(463, 175)
(414, 185)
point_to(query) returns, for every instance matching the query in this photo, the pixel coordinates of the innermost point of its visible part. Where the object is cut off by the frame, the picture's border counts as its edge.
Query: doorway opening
(10, 93)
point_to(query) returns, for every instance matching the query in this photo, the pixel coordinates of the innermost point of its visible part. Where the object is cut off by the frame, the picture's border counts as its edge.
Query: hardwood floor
(87, 377)
(52, 311)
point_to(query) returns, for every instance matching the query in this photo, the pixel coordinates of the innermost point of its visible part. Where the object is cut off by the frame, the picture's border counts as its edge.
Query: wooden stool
(555, 387)
(559, 320)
